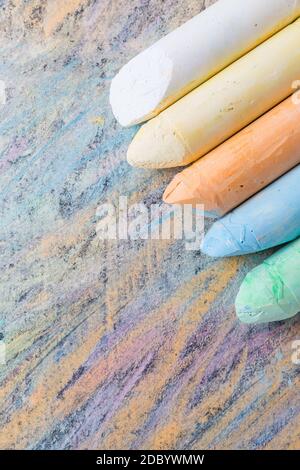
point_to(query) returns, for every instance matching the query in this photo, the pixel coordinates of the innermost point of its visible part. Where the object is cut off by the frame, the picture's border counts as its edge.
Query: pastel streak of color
(271, 292)
(270, 218)
(243, 165)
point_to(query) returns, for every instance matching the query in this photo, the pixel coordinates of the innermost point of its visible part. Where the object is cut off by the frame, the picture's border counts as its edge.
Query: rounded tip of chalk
(256, 301)
(177, 192)
(156, 146)
(219, 243)
(138, 91)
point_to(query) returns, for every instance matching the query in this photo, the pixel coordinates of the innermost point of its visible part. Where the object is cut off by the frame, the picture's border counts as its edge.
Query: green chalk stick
(271, 292)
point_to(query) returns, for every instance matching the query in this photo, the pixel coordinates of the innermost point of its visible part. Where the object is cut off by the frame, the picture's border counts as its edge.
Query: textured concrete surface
(113, 345)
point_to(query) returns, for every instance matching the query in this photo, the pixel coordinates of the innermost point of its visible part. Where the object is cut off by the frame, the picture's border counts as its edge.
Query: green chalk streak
(271, 292)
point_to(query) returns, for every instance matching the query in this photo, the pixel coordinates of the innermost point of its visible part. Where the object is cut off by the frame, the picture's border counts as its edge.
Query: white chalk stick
(194, 52)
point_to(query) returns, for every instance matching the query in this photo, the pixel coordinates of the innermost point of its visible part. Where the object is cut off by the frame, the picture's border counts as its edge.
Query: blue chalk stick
(270, 218)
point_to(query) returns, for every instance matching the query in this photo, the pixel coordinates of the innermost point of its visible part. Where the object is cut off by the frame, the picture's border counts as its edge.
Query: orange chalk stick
(244, 164)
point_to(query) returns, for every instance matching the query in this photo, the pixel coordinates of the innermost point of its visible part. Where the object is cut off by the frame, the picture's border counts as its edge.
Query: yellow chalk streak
(128, 420)
(98, 120)
(184, 420)
(28, 423)
(67, 235)
(288, 438)
(248, 428)
(57, 10)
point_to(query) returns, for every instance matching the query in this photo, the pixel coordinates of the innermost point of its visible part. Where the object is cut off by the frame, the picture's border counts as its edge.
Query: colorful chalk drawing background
(113, 345)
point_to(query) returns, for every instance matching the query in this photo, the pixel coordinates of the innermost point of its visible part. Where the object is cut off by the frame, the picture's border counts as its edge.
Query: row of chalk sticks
(224, 87)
